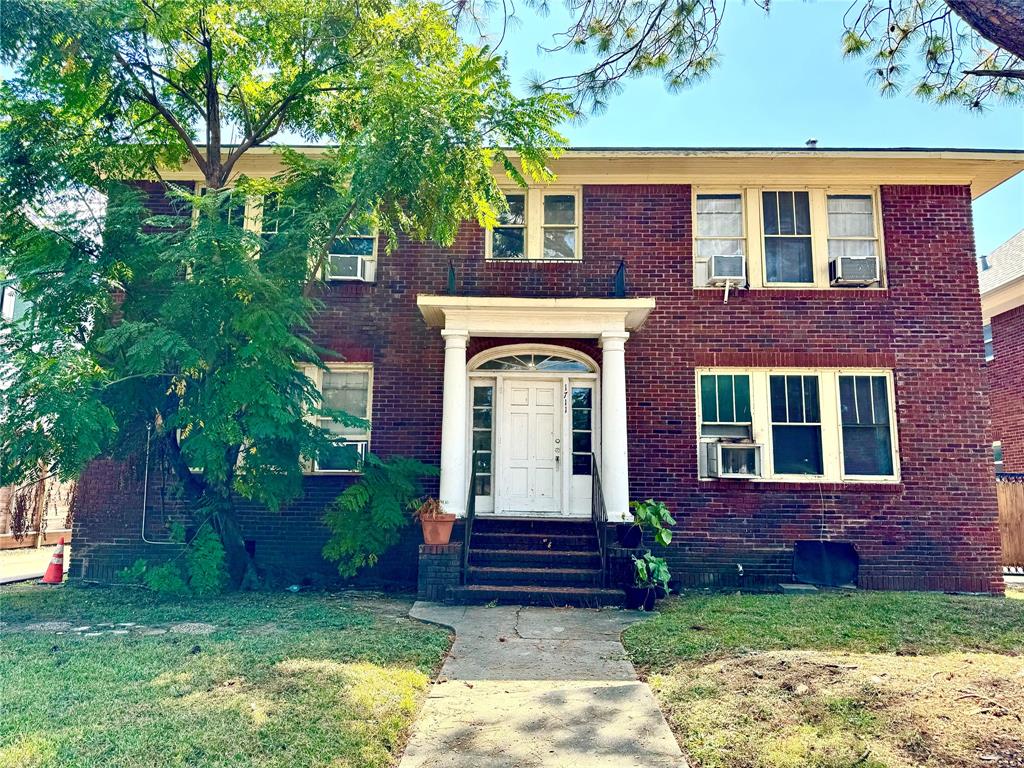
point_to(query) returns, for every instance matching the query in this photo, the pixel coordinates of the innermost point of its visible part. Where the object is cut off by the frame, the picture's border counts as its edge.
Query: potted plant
(648, 515)
(436, 523)
(650, 576)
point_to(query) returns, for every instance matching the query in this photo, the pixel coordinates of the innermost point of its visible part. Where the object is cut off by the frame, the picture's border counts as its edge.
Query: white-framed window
(345, 387)
(997, 455)
(8, 300)
(816, 425)
(270, 219)
(543, 223)
(353, 257)
(990, 345)
(787, 237)
(483, 437)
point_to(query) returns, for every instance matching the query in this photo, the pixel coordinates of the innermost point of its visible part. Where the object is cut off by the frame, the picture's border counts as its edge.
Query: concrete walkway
(538, 687)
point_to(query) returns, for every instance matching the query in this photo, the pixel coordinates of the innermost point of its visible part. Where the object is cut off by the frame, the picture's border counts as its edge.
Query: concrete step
(534, 558)
(535, 541)
(510, 594)
(573, 577)
(573, 527)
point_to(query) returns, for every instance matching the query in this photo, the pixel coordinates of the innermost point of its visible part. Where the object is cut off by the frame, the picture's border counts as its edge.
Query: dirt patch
(801, 709)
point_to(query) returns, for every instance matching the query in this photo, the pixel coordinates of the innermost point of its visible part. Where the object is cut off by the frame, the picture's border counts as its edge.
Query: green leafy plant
(205, 563)
(653, 516)
(166, 579)
(650, 571)
(366, 519)
(132, 574)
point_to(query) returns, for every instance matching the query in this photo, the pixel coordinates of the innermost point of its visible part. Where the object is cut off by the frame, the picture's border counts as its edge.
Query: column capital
(613, 340)
(455, 339)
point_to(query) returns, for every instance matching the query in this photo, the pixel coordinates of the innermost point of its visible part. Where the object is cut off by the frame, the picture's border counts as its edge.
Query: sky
(782, 80)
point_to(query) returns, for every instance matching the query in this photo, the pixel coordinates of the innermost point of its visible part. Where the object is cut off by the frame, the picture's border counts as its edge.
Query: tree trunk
(998, 21)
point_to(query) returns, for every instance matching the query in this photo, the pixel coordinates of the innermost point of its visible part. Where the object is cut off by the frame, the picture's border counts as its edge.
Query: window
(810, 237)
(541, 223)
(990, 347)
(788, 254)
(720, 247)
(867, 432)
(346, 388)
(852, 239)
(353, 257)
(582, 430)
(483, 437)
(535, 363)
(725, 406)
(560, 227)
(997, 455)
(815, 425)
(232, 206)
(8, 298)
(273, 216)
(796, 425)
(509, 239)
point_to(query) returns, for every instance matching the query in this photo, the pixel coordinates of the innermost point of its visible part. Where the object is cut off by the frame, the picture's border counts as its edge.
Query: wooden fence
(1010, 492)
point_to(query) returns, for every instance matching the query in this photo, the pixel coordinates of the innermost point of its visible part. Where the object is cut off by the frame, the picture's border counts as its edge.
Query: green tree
(184, 328)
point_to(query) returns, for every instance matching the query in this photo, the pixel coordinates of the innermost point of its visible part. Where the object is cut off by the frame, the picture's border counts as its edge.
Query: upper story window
(823, 425)
(542, 223)
(990, 346)
(353, 257)
(12, 305)
(997, 455)
(787, 238)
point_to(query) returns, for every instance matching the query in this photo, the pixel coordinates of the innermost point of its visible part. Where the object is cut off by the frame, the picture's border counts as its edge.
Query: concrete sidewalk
(538, 688)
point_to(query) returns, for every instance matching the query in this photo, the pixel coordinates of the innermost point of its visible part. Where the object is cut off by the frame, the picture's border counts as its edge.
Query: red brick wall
(936, 530)
(1006, 386)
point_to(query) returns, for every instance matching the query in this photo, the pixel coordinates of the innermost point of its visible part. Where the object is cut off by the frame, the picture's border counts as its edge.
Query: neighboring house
(780, 344)
(1001, 278)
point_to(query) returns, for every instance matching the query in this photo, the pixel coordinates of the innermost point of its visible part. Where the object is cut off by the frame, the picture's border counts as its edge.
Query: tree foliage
(184, 327)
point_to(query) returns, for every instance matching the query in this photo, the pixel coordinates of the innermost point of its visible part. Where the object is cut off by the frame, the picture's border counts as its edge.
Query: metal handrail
(467, 531)
(599, 514)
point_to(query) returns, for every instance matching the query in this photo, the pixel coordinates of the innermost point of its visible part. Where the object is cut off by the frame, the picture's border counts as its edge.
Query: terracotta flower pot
(438, 529)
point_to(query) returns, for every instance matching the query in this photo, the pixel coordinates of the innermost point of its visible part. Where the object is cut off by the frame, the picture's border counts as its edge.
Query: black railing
(599, 514)
(467, 531)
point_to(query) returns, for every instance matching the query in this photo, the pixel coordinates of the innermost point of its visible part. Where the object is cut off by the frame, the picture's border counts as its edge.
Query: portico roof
(534, 318)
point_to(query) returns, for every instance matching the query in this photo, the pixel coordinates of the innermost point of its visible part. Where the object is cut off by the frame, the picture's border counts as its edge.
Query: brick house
(1001, 280)
(782, 345)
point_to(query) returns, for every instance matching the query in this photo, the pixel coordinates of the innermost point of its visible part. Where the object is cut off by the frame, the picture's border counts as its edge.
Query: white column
(453, 423)
(614, 436)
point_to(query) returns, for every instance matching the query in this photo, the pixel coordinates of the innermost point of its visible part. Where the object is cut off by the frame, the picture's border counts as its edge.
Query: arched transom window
(541, 362)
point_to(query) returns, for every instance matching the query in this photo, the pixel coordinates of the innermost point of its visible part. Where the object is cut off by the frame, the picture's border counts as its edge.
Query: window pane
(778, 397)
(720, 247)
(483, 395)
(794, 400)
(581, 464)
(851, 249)
(559, 209)
(789, 259)
(517, 210)
(346, 391)
(719, 215)
(850, 216)
(787, 218)
(770, 212)
(559, 243)
(802, 205)
(581, 442)
(481, 440)
(708, 398)
(353, 246)
(812, 407)
(582, 397)
(508, 243)
(483, 485)
(581, 418)
(742, 384)
(343, 456)
(483, 461)
(482, 418)
(847, 401)
(726, 412)
(797, 450)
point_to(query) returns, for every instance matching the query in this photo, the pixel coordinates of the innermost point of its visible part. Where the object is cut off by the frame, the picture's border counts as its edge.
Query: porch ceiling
(534, 318)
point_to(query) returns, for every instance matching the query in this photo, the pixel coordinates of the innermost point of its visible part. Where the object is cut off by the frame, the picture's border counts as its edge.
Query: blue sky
(783, 80)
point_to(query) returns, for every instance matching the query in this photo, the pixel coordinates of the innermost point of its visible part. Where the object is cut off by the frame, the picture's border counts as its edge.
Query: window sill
(533, 261)
(846, 486)
(332, 472)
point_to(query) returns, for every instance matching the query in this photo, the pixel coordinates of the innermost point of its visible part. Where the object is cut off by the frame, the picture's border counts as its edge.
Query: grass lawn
(283, 680)
(839, 680)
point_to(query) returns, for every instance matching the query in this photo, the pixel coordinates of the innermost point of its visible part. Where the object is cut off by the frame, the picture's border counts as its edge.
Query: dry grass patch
(799, 709)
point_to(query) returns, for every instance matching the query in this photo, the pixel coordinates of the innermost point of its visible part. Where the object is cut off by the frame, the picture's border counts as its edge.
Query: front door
(530, 448)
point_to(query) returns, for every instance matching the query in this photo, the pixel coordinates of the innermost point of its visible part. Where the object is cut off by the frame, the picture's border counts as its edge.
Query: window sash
(540, 240)
(356, 437)
(482, 447)
(864, 415)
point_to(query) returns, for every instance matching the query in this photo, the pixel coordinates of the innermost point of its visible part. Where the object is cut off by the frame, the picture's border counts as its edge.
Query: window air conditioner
(735, 460)
(728, 269)
(849, 270)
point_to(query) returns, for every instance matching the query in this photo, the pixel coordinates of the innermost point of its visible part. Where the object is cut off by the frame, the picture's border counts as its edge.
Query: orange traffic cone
(55, 571)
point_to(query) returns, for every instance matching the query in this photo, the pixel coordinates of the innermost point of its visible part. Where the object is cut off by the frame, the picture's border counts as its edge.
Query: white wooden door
(530, 473)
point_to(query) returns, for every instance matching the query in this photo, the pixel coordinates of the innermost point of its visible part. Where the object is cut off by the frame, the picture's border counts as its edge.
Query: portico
(534, 415)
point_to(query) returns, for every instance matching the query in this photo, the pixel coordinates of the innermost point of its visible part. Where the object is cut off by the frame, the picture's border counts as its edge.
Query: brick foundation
(440, 567)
